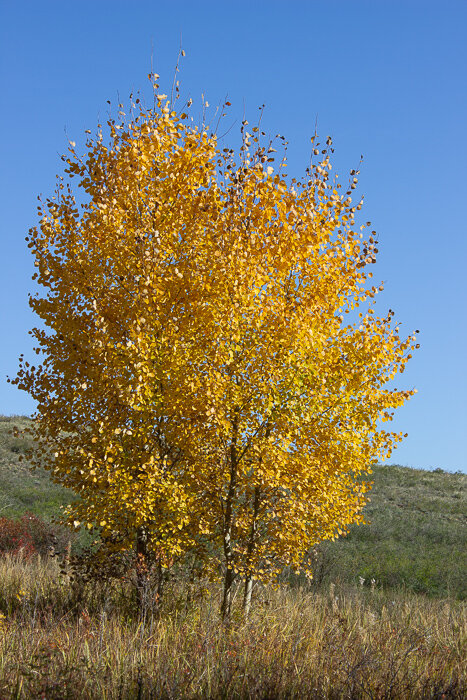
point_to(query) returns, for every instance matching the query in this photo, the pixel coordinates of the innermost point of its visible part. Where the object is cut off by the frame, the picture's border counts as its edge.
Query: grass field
(385, 616)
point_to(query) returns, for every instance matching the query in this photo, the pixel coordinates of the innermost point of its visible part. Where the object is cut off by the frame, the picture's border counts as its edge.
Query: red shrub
(28, 535)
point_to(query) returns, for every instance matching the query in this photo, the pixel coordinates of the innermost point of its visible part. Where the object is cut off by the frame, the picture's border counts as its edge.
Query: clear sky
(385, 78)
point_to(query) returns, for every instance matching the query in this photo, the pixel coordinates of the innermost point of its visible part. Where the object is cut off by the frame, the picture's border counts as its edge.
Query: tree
(199, 384)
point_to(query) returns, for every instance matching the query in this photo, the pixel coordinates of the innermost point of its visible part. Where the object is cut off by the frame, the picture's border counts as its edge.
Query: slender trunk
(142, 542)
(226, 607)
(251, 547)
(160, 586)
(191, 584)
(228, 525)
(247, 595)
(142, 570)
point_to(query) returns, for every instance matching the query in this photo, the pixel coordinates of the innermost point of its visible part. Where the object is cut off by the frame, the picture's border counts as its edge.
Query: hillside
(21, 489)
(415, 536)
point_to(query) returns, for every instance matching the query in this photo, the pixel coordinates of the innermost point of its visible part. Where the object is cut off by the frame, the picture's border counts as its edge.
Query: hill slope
(415, 537)
(21, 489)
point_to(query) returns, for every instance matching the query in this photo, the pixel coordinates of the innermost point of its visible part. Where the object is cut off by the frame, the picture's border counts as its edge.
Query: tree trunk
(160, 586)
(142, 569)
(226, 607)
(229, 523)
(247, 595)
(251, 547)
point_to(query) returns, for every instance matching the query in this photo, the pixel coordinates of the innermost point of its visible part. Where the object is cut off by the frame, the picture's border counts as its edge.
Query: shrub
(31, 535)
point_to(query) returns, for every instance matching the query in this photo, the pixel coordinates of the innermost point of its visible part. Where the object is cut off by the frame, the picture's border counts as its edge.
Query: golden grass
(296, 644)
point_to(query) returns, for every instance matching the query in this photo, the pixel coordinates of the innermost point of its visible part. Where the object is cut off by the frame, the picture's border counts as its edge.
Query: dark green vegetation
(415, 538)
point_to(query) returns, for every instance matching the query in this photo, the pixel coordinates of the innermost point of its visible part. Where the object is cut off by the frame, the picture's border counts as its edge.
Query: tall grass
(58, 640)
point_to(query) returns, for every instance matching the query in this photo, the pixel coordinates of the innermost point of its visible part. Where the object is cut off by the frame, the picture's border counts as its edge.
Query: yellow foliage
(198, 378)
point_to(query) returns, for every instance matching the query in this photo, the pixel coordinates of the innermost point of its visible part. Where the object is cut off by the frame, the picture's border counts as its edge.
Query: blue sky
(385, 78)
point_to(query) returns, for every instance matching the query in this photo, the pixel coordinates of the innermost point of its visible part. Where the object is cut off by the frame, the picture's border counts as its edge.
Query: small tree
(199, 384)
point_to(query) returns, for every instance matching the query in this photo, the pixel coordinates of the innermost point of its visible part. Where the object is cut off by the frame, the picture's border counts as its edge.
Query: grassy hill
(21, 489)
(415, 537)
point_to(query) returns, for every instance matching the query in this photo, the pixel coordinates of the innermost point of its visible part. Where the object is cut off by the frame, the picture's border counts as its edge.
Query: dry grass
(59, 642)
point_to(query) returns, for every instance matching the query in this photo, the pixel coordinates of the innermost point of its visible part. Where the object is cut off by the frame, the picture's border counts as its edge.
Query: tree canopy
(213, 373)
